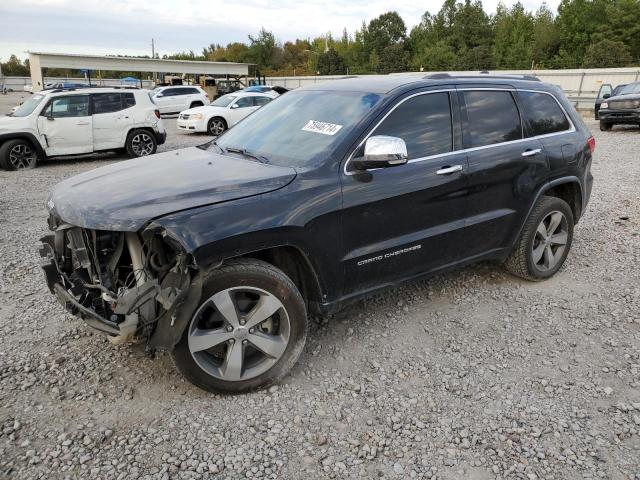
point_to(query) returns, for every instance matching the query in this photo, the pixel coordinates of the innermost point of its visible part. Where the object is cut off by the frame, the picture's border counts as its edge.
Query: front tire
(248, 331)
(545, 241)
(216, 126)
(605, 126)
(141, 143)
(18, 154)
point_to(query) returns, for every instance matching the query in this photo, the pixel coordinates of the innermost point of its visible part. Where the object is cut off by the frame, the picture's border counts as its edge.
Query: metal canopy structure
(40, 60)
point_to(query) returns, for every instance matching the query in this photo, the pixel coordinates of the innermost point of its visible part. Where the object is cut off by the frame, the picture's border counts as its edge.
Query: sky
(125, 27)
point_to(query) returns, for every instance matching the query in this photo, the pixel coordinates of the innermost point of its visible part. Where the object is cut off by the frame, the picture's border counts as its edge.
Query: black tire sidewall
(550, 204)
(211, 121)
(605, 126)
(6, 147)
(129, 145)
(286, 292)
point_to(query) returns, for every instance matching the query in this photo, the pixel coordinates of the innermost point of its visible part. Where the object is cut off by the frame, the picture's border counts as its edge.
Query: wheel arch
(30, 137)
(568, 189)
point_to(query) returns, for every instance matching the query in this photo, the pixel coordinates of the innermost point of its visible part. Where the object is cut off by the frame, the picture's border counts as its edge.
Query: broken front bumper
(56, 284)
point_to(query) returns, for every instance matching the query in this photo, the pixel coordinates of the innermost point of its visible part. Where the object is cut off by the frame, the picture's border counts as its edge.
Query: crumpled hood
(125, 195)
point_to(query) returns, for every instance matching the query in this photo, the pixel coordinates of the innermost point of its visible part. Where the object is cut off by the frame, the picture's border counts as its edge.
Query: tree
(385, 30)
(513, 37)
(330, 63)
(607, 54)
(262, 49)
(14, 68)
(394, 58)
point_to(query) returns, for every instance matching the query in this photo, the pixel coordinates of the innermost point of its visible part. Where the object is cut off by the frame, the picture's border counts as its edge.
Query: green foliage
(607, 54)
(15, 68)
(330, 63)
(460, 36)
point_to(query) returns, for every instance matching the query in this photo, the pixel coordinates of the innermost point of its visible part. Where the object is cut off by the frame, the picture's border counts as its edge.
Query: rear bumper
(161, 137)
(619, 116)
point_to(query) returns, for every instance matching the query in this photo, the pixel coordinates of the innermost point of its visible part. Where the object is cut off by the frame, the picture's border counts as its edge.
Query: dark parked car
(321, 197)
(605, 91)
(623, 108)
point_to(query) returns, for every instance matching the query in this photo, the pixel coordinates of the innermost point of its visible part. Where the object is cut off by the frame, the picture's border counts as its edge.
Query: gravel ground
(473, 374)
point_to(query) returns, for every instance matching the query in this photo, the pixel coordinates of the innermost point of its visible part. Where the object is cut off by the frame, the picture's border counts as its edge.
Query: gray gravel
(473, 374)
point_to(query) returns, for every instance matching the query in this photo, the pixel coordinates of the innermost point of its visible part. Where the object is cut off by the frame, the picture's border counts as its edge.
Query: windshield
(223, 101)
(630, 89)
(29, 106)
(301, 127)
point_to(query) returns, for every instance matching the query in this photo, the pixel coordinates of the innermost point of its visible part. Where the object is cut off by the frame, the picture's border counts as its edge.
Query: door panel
(502, 184)
(402, 221)
(67, 126)
(110, 122)
(505, 170)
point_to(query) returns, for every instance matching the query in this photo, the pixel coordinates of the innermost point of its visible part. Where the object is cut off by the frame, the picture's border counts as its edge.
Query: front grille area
(624, 104)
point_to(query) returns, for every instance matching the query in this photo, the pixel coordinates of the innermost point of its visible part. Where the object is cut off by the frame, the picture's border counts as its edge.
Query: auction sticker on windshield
(321, 127)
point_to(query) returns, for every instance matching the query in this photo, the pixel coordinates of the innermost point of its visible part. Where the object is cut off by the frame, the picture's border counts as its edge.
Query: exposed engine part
(121, 283)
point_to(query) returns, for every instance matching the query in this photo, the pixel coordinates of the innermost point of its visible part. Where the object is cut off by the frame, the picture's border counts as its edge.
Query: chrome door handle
(531, 153)
(449, 170)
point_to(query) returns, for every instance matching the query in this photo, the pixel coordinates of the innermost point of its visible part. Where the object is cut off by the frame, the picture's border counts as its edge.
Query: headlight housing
(604, 105)
(197, 116)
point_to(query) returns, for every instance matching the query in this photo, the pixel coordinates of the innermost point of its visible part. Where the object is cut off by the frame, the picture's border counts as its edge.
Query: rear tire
(248, 331)
(18, 154)
(605, 126)
(216, 126)
(544, 242)
(141, 143)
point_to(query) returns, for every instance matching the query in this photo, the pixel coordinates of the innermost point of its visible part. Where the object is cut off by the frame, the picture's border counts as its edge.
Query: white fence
(580, 85)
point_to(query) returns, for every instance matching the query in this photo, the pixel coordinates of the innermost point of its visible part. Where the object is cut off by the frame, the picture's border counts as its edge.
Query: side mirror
(235, 105)
(381, 151)
(606, 95)
(159, 95)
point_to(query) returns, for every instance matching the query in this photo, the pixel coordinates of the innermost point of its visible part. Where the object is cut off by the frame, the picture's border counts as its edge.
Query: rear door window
(492, 117)
(543, 113)
(423, 122)
(106, 102)
(259, 101)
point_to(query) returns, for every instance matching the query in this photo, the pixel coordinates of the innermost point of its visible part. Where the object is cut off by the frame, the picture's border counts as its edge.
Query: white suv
(177, 98)
(86, 120)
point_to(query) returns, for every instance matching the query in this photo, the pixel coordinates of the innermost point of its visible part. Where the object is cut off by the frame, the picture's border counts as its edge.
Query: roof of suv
(387, 83)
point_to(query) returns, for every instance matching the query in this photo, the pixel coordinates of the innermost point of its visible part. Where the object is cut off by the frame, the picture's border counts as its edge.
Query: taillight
(592, 144)
(157, 112)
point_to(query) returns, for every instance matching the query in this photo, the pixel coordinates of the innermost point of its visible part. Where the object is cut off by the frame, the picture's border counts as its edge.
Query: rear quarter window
(543, 113)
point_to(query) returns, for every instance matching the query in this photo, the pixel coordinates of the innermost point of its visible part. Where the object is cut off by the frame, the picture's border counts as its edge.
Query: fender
(540, 193)
(26, 136)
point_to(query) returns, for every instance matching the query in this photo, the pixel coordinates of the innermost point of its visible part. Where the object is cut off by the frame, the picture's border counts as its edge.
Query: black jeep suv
(326, 194)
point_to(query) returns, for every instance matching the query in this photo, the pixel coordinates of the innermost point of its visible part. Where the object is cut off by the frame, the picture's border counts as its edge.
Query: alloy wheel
(550, 241)
(22, 156)
(142, 144)
(216, 127)
(239, 333)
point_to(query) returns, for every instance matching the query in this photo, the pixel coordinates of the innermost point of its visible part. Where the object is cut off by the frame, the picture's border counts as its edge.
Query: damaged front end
(131, 286)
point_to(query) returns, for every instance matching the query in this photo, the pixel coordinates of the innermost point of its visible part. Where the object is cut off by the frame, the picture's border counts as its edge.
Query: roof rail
(483, 74)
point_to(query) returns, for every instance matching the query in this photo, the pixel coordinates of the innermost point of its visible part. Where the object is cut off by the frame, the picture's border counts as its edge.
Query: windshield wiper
(247, 153)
